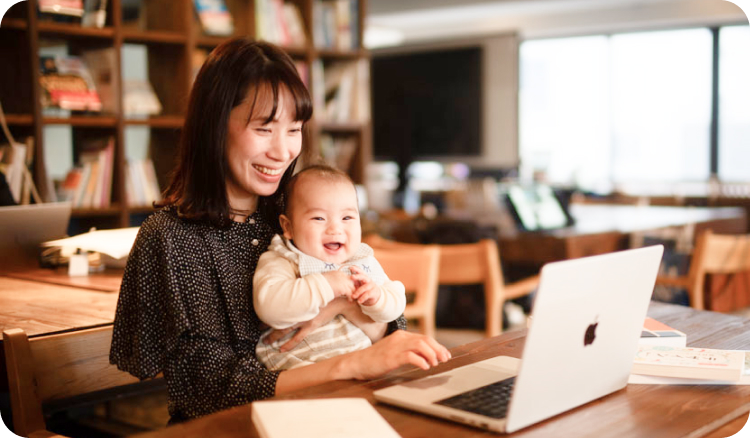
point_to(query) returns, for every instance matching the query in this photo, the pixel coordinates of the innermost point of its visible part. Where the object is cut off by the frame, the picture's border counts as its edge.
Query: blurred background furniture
(417, 268)
(66, 366)
(714, 254)
(471, 263)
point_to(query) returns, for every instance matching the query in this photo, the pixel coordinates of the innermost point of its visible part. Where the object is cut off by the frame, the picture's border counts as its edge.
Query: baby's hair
(322, 171)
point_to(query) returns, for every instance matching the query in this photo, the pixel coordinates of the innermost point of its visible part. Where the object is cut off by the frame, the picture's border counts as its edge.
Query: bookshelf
(172, 39)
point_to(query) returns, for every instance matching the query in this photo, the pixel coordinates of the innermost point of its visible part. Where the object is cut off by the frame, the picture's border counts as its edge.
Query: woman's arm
(339, 306)
(393, 351)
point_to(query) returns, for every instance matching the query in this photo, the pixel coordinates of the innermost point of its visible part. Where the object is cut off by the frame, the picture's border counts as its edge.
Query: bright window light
(598, 111)
(734, 104)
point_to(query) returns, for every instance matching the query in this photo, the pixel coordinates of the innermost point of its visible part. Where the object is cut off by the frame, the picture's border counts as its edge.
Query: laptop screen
(537, 208)
(24, 227)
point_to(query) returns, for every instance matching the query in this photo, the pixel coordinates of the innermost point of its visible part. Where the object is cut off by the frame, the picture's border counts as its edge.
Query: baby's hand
(367, 292)
(341, 283)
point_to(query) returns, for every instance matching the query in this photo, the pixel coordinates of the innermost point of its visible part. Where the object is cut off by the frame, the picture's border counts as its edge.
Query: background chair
(50, 368)
(713, 254)
(472, 263)
(416, 267)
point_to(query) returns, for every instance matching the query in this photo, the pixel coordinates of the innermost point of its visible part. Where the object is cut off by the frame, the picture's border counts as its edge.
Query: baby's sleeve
(392, 301)
(281, 298)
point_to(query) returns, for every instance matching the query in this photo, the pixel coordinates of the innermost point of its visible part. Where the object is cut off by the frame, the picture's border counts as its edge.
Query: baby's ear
(286, 225)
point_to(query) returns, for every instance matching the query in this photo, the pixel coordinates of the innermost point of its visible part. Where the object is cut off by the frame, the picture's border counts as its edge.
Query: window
(629, 108)
(563, 109)
(734, 104)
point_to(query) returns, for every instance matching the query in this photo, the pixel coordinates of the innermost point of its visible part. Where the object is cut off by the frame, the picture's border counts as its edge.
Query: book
(320, 418)
(658, 333)
(139, 98)
(690, 363)
(102, 64)
(214, 17)
(73, 8)
(94, 13)
(67, 84)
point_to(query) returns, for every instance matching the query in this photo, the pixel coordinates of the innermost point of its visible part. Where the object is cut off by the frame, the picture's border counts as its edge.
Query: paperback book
(690, 363)
(658, 333)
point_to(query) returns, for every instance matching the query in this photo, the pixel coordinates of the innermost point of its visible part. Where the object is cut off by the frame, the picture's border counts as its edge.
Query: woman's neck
(240, 208)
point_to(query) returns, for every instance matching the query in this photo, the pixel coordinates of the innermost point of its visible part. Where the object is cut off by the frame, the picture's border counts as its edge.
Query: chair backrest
(466, 263)
(417, 268)
(716, 254)
(54, 367)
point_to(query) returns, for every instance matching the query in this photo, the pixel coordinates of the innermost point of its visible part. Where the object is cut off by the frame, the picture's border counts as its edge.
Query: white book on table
(320, 418)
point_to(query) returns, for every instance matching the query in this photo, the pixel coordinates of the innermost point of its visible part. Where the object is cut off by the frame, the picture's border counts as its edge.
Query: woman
(184, 308)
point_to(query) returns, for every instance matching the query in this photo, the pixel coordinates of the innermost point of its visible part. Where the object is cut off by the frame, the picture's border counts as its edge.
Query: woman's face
(259, 153)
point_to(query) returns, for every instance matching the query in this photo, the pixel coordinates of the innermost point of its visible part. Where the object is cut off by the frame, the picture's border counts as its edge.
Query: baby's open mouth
(333, 246)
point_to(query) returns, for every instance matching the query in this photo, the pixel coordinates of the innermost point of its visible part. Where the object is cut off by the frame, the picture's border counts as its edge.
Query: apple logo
(590, 335)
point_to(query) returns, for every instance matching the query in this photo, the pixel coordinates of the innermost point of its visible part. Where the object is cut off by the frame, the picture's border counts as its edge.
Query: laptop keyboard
(490, 400)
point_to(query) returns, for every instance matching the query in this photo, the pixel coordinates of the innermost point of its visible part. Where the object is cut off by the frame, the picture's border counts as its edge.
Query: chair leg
(494, 314)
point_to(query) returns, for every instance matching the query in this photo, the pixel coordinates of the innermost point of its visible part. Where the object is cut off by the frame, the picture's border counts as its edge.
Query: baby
(320, 257)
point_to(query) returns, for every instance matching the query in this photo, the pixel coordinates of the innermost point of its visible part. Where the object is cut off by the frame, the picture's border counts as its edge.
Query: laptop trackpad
(467, 377)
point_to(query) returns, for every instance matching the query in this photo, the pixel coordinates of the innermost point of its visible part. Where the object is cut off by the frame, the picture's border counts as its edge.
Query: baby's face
(324, 220)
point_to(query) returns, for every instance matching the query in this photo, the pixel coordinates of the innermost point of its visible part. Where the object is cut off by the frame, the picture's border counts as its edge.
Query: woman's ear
(286, 225)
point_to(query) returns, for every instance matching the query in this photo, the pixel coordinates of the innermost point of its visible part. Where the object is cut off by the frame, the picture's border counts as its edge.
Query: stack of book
(141, 185)
(67, 84)
(214, 17)
(335, 24)
(342, 90)
(663, 357)
(280, 23)
(338, 151)
(89, 185)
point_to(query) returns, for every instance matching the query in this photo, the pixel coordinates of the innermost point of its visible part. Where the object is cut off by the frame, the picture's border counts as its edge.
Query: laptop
(587, 319)
(24, 227)
(537, 208)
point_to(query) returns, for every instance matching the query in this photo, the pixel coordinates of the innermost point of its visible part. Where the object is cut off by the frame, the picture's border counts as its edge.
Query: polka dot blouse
(186, 310)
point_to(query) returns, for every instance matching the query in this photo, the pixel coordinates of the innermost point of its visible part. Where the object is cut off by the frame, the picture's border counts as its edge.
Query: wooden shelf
(157, 122)
(153, 37)
(15, 23)
(341, 128)
(171, 33)
(333, 54)
(209, 42)
(74, 30)
(83, 121)
(19, 119)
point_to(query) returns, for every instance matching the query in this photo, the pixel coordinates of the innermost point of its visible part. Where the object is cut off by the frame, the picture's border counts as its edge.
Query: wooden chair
(473, 263)
(713, 254)
(416, 267)
(55, 367)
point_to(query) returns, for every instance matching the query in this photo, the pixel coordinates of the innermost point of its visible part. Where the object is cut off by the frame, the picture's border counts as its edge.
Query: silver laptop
(587, 319)
(24, 227)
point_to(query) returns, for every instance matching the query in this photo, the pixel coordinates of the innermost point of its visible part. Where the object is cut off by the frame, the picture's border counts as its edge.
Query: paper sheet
(114, 243)
(321, 418)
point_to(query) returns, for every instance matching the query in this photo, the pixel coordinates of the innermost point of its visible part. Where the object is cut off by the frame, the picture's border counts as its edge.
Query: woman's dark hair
(234, 71)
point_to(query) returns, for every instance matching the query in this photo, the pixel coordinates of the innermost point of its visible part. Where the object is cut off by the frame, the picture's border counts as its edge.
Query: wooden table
(600, 229)
(42, 308)
(636, 411)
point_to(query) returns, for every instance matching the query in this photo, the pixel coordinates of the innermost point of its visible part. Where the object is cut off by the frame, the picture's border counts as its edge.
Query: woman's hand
(397, 349)
(326, 314)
